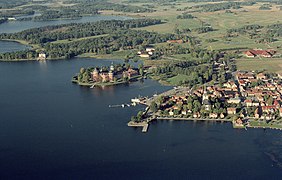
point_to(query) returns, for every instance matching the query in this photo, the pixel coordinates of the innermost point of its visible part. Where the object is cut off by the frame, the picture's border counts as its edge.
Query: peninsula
(249, 99)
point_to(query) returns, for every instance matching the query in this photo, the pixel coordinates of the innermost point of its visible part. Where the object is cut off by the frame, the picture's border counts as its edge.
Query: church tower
(112, 68)
(95, 75)
(206, 100)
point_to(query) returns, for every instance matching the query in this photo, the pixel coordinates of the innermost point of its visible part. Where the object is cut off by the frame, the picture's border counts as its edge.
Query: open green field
(219, 20)
(78, 39)
(176, 80)
(270, 65)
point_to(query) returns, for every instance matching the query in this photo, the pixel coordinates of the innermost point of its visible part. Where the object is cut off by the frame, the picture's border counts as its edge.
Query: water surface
(53, 129)
(11, 46)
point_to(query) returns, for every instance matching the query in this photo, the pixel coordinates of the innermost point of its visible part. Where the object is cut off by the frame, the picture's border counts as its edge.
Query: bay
(10, 46)
(17, 26)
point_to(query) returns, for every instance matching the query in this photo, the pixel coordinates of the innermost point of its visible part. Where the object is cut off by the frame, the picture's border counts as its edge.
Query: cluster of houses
(149, 51)
(259, 53)
(250, 90)
(228, 93)
(262, 93)
(99, 75)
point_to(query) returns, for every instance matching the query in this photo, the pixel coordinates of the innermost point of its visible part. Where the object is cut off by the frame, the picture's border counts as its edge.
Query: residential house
(231, 111)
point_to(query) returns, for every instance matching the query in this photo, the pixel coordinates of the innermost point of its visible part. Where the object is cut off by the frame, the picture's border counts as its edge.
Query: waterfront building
(42, 56)
(102, 76)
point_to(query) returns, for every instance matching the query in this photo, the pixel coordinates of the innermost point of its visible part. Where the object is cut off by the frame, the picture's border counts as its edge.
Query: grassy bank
(267, 64)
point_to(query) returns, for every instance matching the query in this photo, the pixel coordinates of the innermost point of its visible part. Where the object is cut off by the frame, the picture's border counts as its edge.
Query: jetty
(145, 128)
(119, 105)
(144, 123)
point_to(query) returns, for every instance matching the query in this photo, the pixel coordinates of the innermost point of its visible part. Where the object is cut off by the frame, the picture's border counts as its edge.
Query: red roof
(268, 107)
(276, 103)
(265, 53)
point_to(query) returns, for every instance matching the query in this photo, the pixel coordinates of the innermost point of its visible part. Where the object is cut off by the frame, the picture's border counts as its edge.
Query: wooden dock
(144, 124)
(145, 128)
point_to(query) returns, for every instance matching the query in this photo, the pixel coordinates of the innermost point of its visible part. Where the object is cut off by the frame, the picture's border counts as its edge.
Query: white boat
(135, 100)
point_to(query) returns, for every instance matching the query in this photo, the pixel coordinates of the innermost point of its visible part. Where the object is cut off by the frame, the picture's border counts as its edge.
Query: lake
(53, 129)
(10, 46)
(17, 26)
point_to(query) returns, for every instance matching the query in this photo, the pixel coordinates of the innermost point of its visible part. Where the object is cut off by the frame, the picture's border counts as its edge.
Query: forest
(118, 35)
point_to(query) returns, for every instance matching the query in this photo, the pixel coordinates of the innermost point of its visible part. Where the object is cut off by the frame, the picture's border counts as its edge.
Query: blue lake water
(10, 46)
(53, 129)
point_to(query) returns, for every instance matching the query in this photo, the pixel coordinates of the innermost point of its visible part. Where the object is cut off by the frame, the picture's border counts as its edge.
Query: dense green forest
(118, 35)
(87, 8)
(76, 30)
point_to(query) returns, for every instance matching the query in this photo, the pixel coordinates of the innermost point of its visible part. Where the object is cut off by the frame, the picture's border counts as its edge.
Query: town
(250, 99)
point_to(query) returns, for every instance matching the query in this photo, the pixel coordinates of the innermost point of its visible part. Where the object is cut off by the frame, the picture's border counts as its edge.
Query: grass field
(176, 80)
(219, 20)
(270, 65)
(78, 39)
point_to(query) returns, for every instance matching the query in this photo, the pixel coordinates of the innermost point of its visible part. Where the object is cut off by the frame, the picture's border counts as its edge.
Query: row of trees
(28, 54)
(185, 16)
(223, 6)
(204, 29)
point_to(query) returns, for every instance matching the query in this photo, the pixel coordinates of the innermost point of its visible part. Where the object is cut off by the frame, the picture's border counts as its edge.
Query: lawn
(176, 80)
(219, 20)
(268, 64)
(78, 39)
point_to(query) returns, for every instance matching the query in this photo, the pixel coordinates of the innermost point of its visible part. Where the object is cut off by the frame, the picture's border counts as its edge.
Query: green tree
(154, 107)
(139, 115)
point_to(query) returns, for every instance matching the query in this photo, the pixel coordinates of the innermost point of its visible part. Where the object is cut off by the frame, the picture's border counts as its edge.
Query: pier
(144, 123)
(145, 128)
(121, 105)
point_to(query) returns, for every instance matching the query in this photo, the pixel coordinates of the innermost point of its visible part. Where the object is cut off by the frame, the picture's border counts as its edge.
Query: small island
(107, 76)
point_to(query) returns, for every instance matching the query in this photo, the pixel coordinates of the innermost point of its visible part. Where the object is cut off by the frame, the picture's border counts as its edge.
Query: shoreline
(53, 59)
(234, 126)
(105, 84)
(156, 117)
